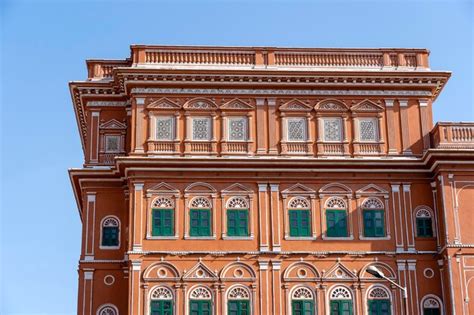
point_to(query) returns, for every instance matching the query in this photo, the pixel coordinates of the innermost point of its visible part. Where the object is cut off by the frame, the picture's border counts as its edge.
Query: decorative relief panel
(296, 129)
(112, 143)
(164, 128)
(237, 127)
(202, 128)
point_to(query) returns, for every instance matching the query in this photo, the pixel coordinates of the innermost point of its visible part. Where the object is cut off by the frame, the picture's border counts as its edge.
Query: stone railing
(452, 135)
(235, 147)
(257, 57)
(367, 148)
(296, 148)
(163, 147)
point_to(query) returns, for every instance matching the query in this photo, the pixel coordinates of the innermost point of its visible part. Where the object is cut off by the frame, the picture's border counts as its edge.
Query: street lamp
(374, 271)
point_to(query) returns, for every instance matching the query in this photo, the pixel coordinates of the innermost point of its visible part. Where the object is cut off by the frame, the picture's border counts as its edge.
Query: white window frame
(376, 124)
(246, 128)
(173, 127)
(341, 134)
(209, 119)
(104, 247)
(305, 123)
(119, 142)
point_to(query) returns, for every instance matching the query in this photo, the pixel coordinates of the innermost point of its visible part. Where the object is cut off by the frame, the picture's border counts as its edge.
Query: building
(263, 180)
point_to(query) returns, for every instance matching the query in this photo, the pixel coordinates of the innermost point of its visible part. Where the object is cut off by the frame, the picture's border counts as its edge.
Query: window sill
(199, 237)
(374, 238)
(102, 247)
(173, 237)
(237, 238)
(335, 238)
(300, 238)
(425, 238)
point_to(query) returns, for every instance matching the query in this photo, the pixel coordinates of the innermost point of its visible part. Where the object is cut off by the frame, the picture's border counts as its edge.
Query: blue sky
(44, 45)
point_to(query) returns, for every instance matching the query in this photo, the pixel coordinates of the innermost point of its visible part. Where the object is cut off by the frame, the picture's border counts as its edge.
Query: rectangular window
(332, 130)
(237, 128)
(238, 307)
(299, 223)
(341, 307)
(163, 222)
(112, 143)
(424, 227)
(374, 223)
(110, 236)
(200, 222)
(202, 128)
(368, 130)
(336, 221)
(296, 129)
(379, 307)
(237, 222)
(161, 307)
(164, 128)
(302, 307)
(200, 308)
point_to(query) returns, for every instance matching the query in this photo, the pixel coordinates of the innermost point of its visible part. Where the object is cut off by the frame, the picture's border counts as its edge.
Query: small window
(302, 302)
(164, 128)
(238, 301)
(108, 309)
(161, 301)
(332, 129)
(431, 306)
(300, 223)
(368, 130)
(237, 222)
(110, 232)
(336, 218)
(374, 225)
(163, 222)
(379, 302)
(237, 128)
(202, 128)
(200, 222)
(112, 143)
(424, 223)
(296, 129)
(341, 302)
(200, 302)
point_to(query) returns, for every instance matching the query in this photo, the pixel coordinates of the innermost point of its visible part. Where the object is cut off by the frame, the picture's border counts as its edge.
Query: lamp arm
(397, 285)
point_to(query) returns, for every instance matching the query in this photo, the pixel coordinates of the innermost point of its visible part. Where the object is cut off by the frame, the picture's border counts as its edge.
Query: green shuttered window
(200, 222)
(163, 222)
(238, 307)
(336, 221)
(424, 227)
(302, 307)
(341, 307)
(200, 307)
(110, 236)
(237, 222)
(161, 307)
(379, 307)
(374, 223)
(299, 223)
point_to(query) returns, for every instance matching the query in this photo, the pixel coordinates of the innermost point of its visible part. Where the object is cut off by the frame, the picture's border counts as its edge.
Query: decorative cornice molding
(106, 104)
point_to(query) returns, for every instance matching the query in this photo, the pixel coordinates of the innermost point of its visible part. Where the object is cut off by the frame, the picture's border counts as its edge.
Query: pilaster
(390, 116)
(405, 127)
(137, 232)
(263, 217)
(425, 123)
(275, 213)
(261, 126)
(139, 115)
(272, 127)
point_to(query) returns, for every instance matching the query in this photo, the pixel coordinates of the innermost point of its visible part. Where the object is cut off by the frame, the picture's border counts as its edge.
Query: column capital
(403, 103)
(389, 102)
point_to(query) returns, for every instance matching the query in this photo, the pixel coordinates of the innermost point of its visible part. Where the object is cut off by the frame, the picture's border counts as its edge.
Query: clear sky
(44, 45)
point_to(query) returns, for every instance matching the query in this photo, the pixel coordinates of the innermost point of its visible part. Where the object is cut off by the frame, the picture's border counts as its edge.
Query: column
(275, 217)
(134, 293)
(139, 125)
(408, 212)
(264, 287)
(87, 293)
(405, 126)
(261, 126)
(145, 304)
(137, 217)
(391, 129)
(413, 285)
(263, 217)
(426, 123)
(94, 137)
(217, 297)
(276, 293)
(397, 217)
(361, 293)
(273, 132)
(89, 226)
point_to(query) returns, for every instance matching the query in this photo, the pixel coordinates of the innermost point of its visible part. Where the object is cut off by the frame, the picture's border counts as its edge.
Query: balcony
(163, 147)
(453, 135)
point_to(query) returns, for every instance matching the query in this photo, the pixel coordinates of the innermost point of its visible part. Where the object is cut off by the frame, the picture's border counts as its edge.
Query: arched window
(374, 217)
(200, 217)
(107, 309)
(424, 223)
(378, 301)
(162, 217)
(237, 217)
(238, 301)
(341, 301)
(336, 217)
(200, 301)
(299, 214)
(161, 301)
(110, 232)
(302, 301)
(431, 306)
